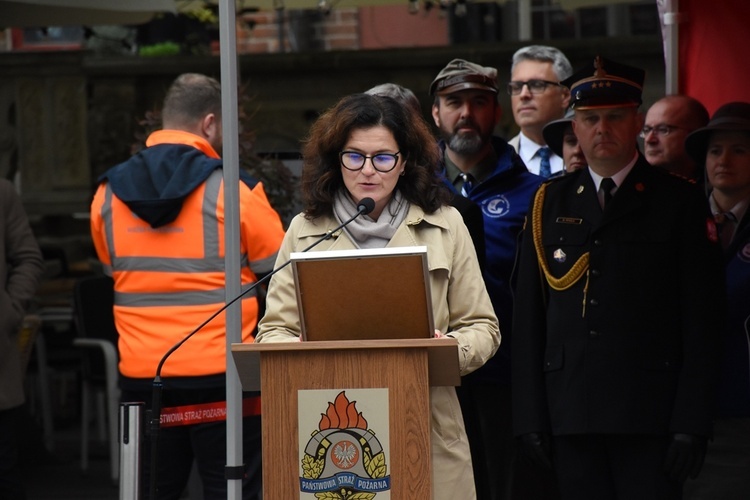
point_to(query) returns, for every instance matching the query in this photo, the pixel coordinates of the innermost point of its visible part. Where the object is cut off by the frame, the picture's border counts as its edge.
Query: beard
(467, 143)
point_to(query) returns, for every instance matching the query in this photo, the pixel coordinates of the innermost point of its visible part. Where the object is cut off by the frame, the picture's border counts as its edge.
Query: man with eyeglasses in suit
(668, 122)
(537, 98)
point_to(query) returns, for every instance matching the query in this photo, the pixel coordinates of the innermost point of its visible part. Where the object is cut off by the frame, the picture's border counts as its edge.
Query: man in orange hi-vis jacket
(157, 221)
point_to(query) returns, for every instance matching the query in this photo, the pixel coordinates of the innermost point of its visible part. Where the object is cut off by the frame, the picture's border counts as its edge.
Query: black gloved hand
(536, 447)
(685, 457)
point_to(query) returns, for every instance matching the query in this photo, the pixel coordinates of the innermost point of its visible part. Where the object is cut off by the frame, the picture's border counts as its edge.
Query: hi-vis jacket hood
(154, 182)
(170, 278)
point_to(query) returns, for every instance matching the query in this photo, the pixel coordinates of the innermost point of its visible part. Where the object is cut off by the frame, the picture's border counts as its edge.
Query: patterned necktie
(725, 222)
(545, 169)
(607, 186)
(467, 185)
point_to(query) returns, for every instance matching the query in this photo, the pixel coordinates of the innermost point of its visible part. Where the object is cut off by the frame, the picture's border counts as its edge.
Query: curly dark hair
(321, 178)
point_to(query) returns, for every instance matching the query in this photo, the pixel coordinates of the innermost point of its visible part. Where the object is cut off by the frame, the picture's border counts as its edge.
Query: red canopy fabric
(714, 64)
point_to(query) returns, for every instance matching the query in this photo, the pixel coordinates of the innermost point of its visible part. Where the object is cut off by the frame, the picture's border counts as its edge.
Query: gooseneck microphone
(364, 207)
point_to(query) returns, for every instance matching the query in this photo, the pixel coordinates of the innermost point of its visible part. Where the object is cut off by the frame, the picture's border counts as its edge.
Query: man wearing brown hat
(487, 171)
(615, 341)
(724, 147)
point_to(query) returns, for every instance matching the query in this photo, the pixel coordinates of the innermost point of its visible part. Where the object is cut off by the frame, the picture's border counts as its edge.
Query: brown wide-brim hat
(733, 116)
(554, 132)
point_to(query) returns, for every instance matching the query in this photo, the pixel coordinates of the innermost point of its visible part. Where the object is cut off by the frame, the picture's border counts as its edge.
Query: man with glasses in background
(537, 98)
(668, 122)
(487, 171)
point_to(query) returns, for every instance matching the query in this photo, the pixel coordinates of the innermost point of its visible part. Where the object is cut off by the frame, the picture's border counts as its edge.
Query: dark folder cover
(364, 294)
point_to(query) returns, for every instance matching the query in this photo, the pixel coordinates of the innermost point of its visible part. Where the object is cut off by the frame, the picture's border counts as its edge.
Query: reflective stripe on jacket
(170, 279)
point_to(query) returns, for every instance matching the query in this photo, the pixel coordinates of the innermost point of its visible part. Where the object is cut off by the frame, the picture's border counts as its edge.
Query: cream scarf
(364, 231)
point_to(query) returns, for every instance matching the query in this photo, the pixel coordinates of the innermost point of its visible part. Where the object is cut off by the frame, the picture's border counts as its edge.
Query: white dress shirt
(527, 150)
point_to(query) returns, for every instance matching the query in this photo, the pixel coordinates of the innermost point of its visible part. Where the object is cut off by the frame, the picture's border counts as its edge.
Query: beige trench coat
(455, 279)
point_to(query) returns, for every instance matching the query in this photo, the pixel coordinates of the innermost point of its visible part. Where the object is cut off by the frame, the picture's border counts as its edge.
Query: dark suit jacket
(632, 347)
(474, 221)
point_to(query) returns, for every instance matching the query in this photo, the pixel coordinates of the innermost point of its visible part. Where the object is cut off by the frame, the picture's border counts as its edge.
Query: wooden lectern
(405, 367)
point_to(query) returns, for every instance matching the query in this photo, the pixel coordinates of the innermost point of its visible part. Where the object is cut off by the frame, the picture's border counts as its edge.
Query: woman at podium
(372, 147)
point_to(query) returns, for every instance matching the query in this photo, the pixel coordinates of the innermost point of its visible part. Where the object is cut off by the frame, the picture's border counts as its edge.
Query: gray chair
(93, 300)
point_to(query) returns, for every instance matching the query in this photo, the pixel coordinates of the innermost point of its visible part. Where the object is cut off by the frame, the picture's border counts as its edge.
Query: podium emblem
(343, 459)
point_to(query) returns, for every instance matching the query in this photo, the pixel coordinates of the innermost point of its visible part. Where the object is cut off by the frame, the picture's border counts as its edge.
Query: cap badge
(599, 67)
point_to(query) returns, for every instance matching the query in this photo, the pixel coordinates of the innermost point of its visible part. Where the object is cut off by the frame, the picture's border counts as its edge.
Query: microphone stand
(154, 414)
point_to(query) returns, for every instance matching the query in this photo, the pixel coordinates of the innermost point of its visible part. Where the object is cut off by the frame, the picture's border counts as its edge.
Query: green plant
(159, 49)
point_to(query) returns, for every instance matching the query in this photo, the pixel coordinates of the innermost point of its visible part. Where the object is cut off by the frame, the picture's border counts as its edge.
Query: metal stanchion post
(131, 438)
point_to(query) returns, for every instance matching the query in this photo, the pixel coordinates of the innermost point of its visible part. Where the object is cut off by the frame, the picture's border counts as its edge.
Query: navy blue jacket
(504, 198)
(734, 384)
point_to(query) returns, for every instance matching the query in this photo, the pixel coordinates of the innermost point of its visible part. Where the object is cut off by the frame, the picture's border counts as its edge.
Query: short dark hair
(321, 179)
(191, 97)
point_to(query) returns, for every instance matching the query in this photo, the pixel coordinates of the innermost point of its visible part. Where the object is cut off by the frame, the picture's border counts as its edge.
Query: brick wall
(259, 32)
(287, 91)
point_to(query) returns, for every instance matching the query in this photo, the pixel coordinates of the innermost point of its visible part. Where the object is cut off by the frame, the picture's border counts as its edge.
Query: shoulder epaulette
(680, 176)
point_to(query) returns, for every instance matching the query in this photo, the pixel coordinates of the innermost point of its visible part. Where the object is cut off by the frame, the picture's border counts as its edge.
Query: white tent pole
(671, 22)
(524, 20)
(230, 118)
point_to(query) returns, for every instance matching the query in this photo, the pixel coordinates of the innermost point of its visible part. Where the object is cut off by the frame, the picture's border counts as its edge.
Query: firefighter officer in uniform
(615, 337)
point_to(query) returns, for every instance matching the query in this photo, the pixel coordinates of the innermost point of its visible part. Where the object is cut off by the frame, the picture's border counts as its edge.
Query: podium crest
(343, 460)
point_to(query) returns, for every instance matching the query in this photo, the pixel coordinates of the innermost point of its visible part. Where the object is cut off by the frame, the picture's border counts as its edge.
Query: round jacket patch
(496, 206)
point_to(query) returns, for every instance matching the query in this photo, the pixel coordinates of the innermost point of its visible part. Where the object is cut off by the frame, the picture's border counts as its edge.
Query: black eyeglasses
(382, 162)
(535, 86)
(662, 130)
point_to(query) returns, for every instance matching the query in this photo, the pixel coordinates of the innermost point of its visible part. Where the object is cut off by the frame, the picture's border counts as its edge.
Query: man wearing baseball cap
(615, 339)
(487, 171)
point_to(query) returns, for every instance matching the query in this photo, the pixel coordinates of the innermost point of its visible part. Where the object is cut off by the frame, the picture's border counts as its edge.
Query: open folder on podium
(361, 294)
